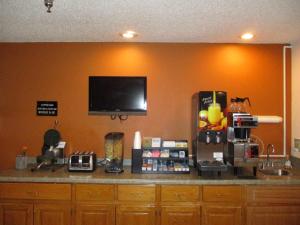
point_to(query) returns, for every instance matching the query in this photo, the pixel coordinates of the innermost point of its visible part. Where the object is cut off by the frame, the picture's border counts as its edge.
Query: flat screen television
(117, 95)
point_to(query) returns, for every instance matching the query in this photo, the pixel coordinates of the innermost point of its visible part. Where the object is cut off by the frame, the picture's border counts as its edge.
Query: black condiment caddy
(160, 160)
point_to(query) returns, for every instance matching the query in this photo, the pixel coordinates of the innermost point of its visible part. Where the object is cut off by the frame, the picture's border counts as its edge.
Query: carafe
(239, 104)
(247, 105)
(233, 105)
(244, 104)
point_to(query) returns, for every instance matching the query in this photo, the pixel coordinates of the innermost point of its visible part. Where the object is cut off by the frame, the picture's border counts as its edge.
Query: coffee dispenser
(114, 151)
(242, 152)
(209, 131)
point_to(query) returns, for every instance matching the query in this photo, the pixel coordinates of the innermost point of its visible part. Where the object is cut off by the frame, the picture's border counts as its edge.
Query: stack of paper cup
(137, 141)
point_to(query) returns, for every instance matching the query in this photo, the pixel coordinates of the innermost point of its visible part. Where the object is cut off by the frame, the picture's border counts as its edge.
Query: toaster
(82, 162)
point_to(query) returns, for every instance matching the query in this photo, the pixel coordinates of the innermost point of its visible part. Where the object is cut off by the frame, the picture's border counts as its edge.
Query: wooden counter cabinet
(16, 213)
(180, 205)
(134, 214)
(94, 204)
(124, 204)
(136, 205)
(35, 204)
(94, 214)
(273, 205)
(52, 213)
(222, 205)
(37, 214)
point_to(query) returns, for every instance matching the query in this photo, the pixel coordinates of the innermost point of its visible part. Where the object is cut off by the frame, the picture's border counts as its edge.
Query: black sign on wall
(46, 108)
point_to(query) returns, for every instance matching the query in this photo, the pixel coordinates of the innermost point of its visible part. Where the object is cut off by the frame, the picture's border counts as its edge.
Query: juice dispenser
(114, 151)
(209, 131)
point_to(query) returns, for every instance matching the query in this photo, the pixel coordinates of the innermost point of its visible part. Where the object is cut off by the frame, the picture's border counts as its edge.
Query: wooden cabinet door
(136, 215)
(16, 214)
(94, 214)
(52, 214)
(273, 215)
(180, 215)
(222, 215)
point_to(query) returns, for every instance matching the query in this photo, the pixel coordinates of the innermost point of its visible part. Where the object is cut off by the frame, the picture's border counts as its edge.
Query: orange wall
(59, 71)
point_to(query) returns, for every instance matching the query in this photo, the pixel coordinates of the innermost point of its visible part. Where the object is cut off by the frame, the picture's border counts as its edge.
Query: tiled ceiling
(213, 21)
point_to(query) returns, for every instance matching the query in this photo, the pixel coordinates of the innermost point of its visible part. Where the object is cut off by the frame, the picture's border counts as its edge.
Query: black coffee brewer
(242, 153)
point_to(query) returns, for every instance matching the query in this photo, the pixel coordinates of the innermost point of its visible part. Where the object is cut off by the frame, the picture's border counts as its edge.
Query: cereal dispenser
(114, 151)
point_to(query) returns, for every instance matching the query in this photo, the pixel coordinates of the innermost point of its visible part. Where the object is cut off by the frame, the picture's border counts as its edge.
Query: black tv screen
(111, 95)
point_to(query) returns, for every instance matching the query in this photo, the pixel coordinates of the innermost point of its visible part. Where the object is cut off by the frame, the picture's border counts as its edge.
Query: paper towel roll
(296, 153)
(269, 119)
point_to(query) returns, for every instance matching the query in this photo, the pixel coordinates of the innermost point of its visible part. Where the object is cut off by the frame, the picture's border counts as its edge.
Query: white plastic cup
(137, 141)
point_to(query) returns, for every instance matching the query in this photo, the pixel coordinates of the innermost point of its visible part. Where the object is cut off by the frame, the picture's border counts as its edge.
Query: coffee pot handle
(247, 98)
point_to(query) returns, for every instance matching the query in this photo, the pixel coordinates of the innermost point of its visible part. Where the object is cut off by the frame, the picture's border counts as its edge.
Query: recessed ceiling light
(247, 36)
(129, 34)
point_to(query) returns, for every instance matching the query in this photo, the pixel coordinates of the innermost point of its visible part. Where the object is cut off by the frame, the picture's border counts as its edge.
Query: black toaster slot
(86, 161)
(75, 161)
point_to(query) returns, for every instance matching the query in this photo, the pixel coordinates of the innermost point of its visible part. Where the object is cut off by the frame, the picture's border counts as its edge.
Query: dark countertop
(100, 177)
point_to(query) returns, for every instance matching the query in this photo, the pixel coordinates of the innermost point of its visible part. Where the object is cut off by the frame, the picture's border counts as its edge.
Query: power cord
(121, 117)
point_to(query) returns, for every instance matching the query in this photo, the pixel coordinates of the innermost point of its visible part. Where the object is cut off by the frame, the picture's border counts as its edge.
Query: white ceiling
(214, 21)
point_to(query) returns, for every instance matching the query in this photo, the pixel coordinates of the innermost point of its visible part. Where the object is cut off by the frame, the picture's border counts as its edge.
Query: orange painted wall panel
(59, 71)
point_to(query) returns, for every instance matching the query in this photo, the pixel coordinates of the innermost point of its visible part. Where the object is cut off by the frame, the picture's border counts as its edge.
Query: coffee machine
(242, 152)
(209, 132)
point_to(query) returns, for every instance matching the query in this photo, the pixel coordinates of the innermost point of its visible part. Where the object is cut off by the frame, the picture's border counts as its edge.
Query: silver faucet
(269, 163)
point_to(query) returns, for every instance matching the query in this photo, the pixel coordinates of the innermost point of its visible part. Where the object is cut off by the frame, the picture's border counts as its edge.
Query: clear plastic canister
(114, 152)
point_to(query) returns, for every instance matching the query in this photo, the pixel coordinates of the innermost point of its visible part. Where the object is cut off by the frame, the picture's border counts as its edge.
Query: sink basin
(274, 172)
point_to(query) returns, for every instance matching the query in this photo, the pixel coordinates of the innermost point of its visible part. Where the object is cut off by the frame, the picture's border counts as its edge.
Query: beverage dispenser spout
(207, 138)
(218, 138)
